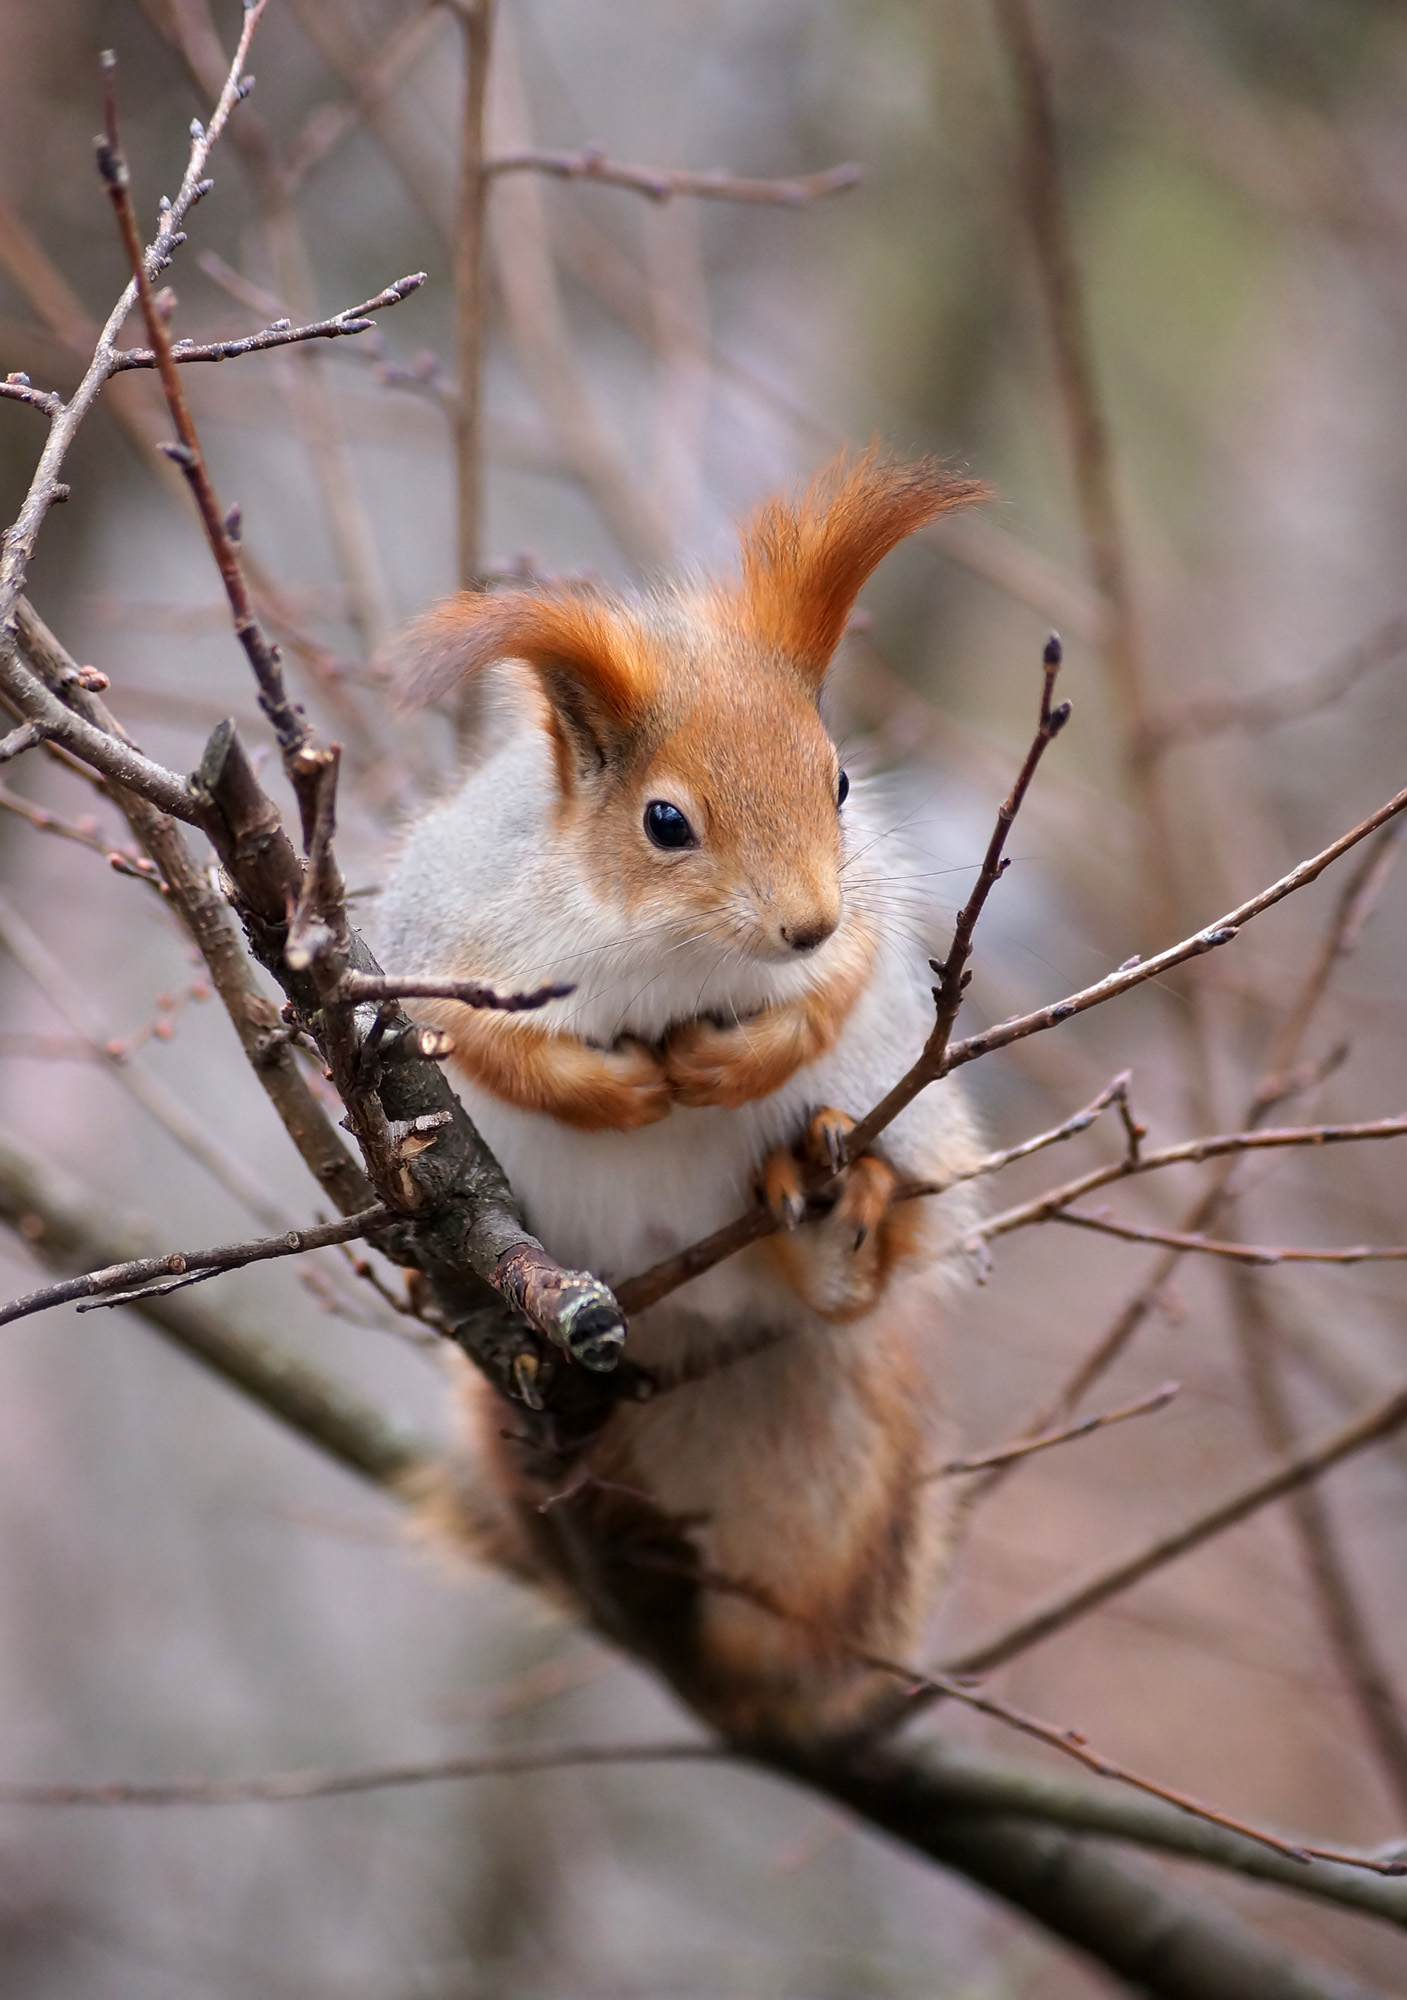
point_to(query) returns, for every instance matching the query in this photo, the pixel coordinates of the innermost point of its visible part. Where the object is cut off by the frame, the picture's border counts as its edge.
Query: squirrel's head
(693, 769)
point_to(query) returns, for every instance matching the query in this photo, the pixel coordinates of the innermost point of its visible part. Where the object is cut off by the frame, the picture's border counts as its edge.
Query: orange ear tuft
(803, 563)
(594, 671)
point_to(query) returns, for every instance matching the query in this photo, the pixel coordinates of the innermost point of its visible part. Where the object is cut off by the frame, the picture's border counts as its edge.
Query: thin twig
(1050, 1206)
(1260, 709)
(282, 333)
(1353, 907)
(1070, 1742)
(160, 1104)
(84, 833)
(290, 1786)
(43, 488)
(1241, 1253)
(63, 1223)
(649, 1286)
(1075, 1601)
(1344, 1619)
(289, 727)
(662, 183)
(1024, 1447)
(129, 1277)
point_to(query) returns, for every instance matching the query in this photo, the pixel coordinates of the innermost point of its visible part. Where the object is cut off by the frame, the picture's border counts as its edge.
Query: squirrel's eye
(842, 790)
(667, 826)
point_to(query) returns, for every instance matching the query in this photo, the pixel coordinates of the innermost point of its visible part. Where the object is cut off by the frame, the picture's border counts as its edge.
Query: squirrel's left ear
(596, 675)
(803, 562)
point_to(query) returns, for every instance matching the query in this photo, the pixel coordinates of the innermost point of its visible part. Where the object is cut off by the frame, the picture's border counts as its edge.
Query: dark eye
(842, 790)
(667, 826)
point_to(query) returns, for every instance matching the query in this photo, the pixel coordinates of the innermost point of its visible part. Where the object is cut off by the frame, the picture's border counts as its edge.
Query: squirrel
(665, 829)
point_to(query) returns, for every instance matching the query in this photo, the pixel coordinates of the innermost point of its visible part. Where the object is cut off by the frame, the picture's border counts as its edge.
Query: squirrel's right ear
(590, 663)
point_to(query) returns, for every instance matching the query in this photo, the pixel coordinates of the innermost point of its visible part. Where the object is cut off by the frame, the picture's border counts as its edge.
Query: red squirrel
(664, 827)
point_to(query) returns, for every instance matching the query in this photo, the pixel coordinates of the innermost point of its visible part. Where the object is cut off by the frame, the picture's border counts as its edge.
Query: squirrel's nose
(805, 937)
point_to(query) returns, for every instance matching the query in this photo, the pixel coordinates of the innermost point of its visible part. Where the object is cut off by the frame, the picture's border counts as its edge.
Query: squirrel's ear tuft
(804, 561)
(593, 670)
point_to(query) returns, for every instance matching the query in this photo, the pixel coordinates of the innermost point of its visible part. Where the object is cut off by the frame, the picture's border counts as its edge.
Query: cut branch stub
(588, 1320)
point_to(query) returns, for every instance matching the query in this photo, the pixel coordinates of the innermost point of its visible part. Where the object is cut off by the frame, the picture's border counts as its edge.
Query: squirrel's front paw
(840, 1260)
(706, 1064)
(639, 1086)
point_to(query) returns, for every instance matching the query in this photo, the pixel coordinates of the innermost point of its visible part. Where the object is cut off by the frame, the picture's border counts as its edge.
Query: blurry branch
(161, 1105)
(1047, 216)
(20, 538)
(541, 339)
(207, 917)
(371, 84)
(662, 183)
(124, 1284)
(1025, 1447)
(1051, 1205)
(64, 1224)
(1241, 1253)
(83, 833)
(353, 319)
(1165, 1945)
(1052, 237)
(1351, 911)
(288, 1787)
(923, 1688)
(1345, 1623)
(1075, 1601)
(1285, 701)
(954, 1785)
(471, 290)
(953, 1789)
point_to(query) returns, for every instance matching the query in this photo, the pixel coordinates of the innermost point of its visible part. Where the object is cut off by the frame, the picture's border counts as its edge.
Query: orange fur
(595, 1090)
(706, 1064)
(594, 666)
(804, 563)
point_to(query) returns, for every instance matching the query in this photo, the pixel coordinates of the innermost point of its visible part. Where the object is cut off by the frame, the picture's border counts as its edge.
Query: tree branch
(129, 1279)
(663, 183)
(282, 333)
(63, 1224)
(45, 486)
(656, 1283)
(1074, 1601)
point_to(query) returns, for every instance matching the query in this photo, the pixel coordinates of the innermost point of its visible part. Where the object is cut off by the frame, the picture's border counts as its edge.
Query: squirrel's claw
(782, 1188)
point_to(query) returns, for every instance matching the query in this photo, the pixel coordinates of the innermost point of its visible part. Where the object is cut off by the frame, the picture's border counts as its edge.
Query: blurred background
(186, 1591)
